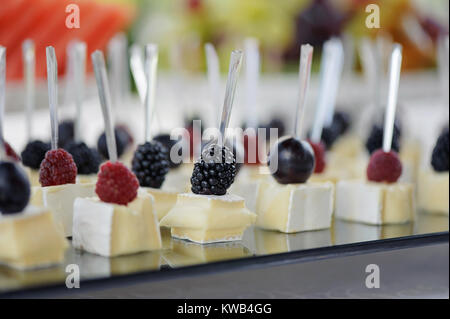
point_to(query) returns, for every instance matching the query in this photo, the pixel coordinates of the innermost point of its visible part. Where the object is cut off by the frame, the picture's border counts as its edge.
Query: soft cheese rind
(208, 219)
(111, 230)
(294, 207)
(33, 175)
(247, 190)
(164, 200)
(374, 203)
(433, 191)
(31, 239)
(59, 200)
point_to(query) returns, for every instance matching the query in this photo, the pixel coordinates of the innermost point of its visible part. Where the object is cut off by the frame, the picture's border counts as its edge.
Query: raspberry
(384, 167)
(57, 168)
(440, 156)
(87, 159)
(34, 154)
(150, 164)
(214, 173)
(116, 184)
(11, 153)
(319, 155)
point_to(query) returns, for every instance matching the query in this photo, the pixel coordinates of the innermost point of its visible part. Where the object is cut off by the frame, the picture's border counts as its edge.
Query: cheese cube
(59, 200)
(294, 207)
(208, 218)
(31, 239)
(109, 229)
(374, 203)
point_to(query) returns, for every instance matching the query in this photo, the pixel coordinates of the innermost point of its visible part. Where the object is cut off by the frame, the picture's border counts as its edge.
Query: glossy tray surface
(258, 247)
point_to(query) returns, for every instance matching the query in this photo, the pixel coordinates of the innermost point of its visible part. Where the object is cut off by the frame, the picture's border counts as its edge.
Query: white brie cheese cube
(31, 239)
(164, 200)
(208, 218)
(109, 229)
(294, 207)
(59, 200)
(33, 176)
(374, 203)
(247, 190)
(433, 191)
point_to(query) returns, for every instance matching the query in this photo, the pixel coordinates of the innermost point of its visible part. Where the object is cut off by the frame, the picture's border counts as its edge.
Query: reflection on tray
(348, 232)
(179, 253)
(272, 242)
(94, 266)
(185, 253)
(431, 223)
(11, 279)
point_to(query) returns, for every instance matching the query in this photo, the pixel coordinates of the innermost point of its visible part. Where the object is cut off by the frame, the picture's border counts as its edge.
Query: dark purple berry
(294, 160)
(14, 188)
(440, 156)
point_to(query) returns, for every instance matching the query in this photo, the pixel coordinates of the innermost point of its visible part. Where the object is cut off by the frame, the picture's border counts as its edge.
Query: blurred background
(281, 26)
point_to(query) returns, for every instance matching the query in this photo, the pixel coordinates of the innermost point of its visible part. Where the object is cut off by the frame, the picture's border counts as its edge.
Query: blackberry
(87, 159)
(34, 153)
(168, 143)
(439, 158)
(375, 140)
(215, 171)
(122, 141)
(150, 164)
(66, 133)
(15, 188)
(342, 122)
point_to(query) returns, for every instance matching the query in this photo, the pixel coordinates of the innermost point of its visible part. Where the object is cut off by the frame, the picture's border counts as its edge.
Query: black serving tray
(259, 248)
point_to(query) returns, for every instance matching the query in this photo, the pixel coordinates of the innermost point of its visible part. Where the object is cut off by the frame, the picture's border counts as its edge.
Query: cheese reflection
(185, 253)
(95, 266)
(350, 232)
(272, 242)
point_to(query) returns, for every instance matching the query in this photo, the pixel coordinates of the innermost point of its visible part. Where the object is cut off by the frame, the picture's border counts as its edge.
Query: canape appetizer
(120, 220)
(29, 236)
(291, 204)
(150, 162)
(381, 199)
(58, 171)
(209, 214)
(433, 184)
